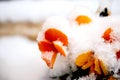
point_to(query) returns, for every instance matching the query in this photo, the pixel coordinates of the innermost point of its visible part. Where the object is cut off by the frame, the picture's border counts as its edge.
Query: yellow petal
(89, 63)
(97, 66)
(103, 67)
(83, 58)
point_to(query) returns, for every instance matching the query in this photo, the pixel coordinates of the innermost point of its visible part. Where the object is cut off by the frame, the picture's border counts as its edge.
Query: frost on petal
(60, 48)
(49, 58)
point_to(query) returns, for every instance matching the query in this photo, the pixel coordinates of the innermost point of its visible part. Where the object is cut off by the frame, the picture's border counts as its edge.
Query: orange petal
(49, 58)
(83, 58)
(60, 48)
(106, 34)
(97, 66)
(89, 63)
(54, 34)
(118, 55)
(112, 78)
(103, 67)
(82, 19)
(46, 46)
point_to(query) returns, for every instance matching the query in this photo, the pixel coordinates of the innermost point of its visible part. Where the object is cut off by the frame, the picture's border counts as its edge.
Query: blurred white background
(38, 10)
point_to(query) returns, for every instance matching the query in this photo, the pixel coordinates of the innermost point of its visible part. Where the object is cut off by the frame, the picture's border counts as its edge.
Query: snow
(90, 77)
(61, 67)
(20, 60)
(86, 37)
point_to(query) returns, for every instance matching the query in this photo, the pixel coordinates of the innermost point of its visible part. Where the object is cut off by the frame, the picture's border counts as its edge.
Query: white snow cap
(57, 22)
(81, 10)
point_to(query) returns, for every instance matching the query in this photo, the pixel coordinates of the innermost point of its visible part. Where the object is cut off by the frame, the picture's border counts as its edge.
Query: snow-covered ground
(20, 60)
